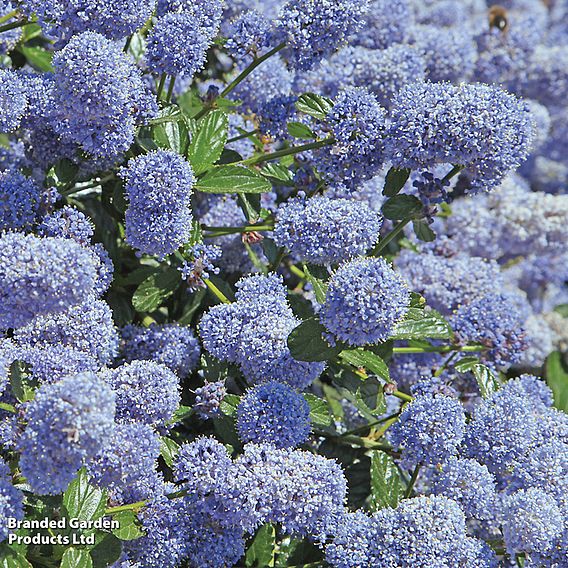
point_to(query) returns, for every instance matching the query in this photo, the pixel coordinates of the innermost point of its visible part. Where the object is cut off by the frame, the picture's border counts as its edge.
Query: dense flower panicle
(449, 53)
(41, 276)
(19, 201)
(158, 188)
(357, 123)
(177, 45)
(547, 76)
(297, 489)
(350, 544)
(129, 456)
(387, 22)
(13, 100)
(424, 531)
(68, 223)
(67, 424)
(365, 300)
(99, 96)
(208, 399)
(532, 522)
(9, 38)
(207, 13)
(66, 18)
(540, 339)
(314, 29)
(483, 128)
(11, 500)
(429, 430)
(253, 331)
(171, 345)
(470, 484)
(87, 327)
(146, 392)
(495, 322)
(326, 231)
(448, 283)
(274, 414)
(248, 35)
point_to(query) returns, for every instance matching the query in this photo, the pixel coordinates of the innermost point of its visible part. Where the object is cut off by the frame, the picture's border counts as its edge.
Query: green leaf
(22, 387)
(395, 181)
(76, 558)
(250, 204)
(170, 131)
(106, 551)
(319, 410)
(422, 324)
(10, 558)
(155, 289)
(196, 235)
(386, 488)
(562, 309)
(232, 179)
(262, 550)
(300, 130)
(557, 379)
(277, 172)
(370, 398)
(129, 526)
(207, 144)
(423, 231)
(82, 500)
(38, 57)
(314, 105)
(306, 342)
(319, 284)
(466, 364)
(401, 206)
(229, 404)
(370, 361)
(169, 451)
(486, 380)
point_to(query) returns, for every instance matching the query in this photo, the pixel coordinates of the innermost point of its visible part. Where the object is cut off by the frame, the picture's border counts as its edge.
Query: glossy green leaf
(319, 410)
(169, 451)
(207, 144)
(318, 280)
(423, 231)
(486, 380)
(232, 179)
(386, 487)
(306, 342)
(129, 528)
(38, 57)
(422, 324)
(300, 130)
(368, 360)
(395, 181)
(314, 105)
(262, 550)
(557, 379)
(155, 289)
(277, 172)
(82, 500)
(401, 206)
(76, 558)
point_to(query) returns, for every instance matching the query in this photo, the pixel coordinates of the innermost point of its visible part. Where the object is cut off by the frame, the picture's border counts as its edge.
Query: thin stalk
(245, 135)
(8, 16)
(444, 365)
(161, 85)
(454, 171)
(367, 426)
(412, 481)
(297, 272)
(130, 507)
(402, 396)
(14, 25)
(7, 407)
(440, 349)
(92, 185)
(147, 321)
(221, 231)
(127, 44)
(216, 292)
(383, 243)
(171, 88)
(286, 152)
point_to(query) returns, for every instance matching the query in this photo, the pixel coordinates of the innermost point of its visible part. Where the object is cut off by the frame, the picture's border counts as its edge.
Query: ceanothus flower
(449, 282)
(87, 327)
(275, 414)
(429, 430)
(177, 45)
(67, 424)
(67, 223)
(326, 231)
(387, 22)
(449, 53)
(171, 345)
(98, 96)
(314, 29)
(532, 522)
(13, 100)
(129, 457)
(207, 13)
(299, 490)
(19, 201)
(470, 484)
(480, 127)
(365, 301)
(546, 78)
(248, 34)
(357, 124)
(208, 399)
(9, 38)
(350, 541)
(146, 392)
(115, 20)
(495, 322)
(41, 276)
(425, 531)
(11, 500)
(158, 187)
(194, 272)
